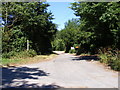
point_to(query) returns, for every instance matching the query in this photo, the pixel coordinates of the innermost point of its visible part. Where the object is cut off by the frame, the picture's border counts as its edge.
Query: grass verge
(15, 61)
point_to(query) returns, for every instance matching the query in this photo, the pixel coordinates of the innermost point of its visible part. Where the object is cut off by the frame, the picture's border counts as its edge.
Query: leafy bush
(32, 53)
(111, 58)
(8, 55)
(22, 54)
(103, 58)
(13, 40)
(72, 51)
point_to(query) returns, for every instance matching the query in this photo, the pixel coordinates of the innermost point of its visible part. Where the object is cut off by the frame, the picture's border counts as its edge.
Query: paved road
(66, 71)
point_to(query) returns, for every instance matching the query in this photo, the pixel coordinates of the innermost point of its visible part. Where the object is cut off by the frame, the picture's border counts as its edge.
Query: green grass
(26, 60)
(6, 61)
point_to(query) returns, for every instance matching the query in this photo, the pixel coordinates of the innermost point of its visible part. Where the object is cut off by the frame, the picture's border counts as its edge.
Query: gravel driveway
(66, 71)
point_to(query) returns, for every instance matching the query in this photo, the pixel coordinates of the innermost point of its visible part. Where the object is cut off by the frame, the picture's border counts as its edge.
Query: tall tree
(33, 20)
(101, 21)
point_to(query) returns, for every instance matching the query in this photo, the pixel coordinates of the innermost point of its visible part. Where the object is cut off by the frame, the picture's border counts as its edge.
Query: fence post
(27, 45)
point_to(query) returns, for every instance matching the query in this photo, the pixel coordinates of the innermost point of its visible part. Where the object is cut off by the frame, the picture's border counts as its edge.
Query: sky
(62, 13)
(61, 0)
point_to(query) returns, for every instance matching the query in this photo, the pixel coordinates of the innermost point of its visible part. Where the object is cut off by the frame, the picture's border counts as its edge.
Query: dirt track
(66, 70)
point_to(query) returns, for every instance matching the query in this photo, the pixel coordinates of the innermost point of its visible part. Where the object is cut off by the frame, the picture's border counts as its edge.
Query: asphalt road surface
(66, 70)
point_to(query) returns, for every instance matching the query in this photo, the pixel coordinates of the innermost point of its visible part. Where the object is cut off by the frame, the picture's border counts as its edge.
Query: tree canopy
(101, 23)
(27, 20)
(98, 26)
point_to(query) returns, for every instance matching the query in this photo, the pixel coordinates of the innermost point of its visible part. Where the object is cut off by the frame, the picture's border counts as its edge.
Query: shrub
(22, 54)
(103, 58)
(32, 53)
(72, 51)
(8, 55)
(111, 58)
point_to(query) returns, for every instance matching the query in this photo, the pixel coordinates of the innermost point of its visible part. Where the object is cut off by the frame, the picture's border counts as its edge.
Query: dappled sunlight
(17, 73)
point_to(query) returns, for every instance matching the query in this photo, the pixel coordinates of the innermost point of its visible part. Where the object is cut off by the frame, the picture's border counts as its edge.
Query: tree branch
(13, 22)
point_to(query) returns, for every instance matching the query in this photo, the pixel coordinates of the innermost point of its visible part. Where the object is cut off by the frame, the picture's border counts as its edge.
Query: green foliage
(21, 54)
(6, 61)
(31, 53)
(13, 40)
(58, 45)
(27, 21)
(72, 51)
(111, 58)
(99, 25)
(103, 58)
(24, 54)
(68, 34)
(8, 55)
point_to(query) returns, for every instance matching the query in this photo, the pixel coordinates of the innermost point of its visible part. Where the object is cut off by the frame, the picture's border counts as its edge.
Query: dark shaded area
(50, 86)
(41, 44)
(61, 89)
(92, 57)
(33, 87)
(67, 48)
(11, 73)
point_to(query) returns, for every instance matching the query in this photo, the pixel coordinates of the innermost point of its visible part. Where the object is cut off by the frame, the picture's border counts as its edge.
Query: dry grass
(28, 60)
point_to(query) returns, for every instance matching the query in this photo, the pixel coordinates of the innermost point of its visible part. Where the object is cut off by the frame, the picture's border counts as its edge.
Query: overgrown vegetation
(110, 57)
(22, 54)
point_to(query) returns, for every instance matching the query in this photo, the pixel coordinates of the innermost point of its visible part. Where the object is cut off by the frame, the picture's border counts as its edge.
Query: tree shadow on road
(26, 86)
(86, 57)
(16, 73)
